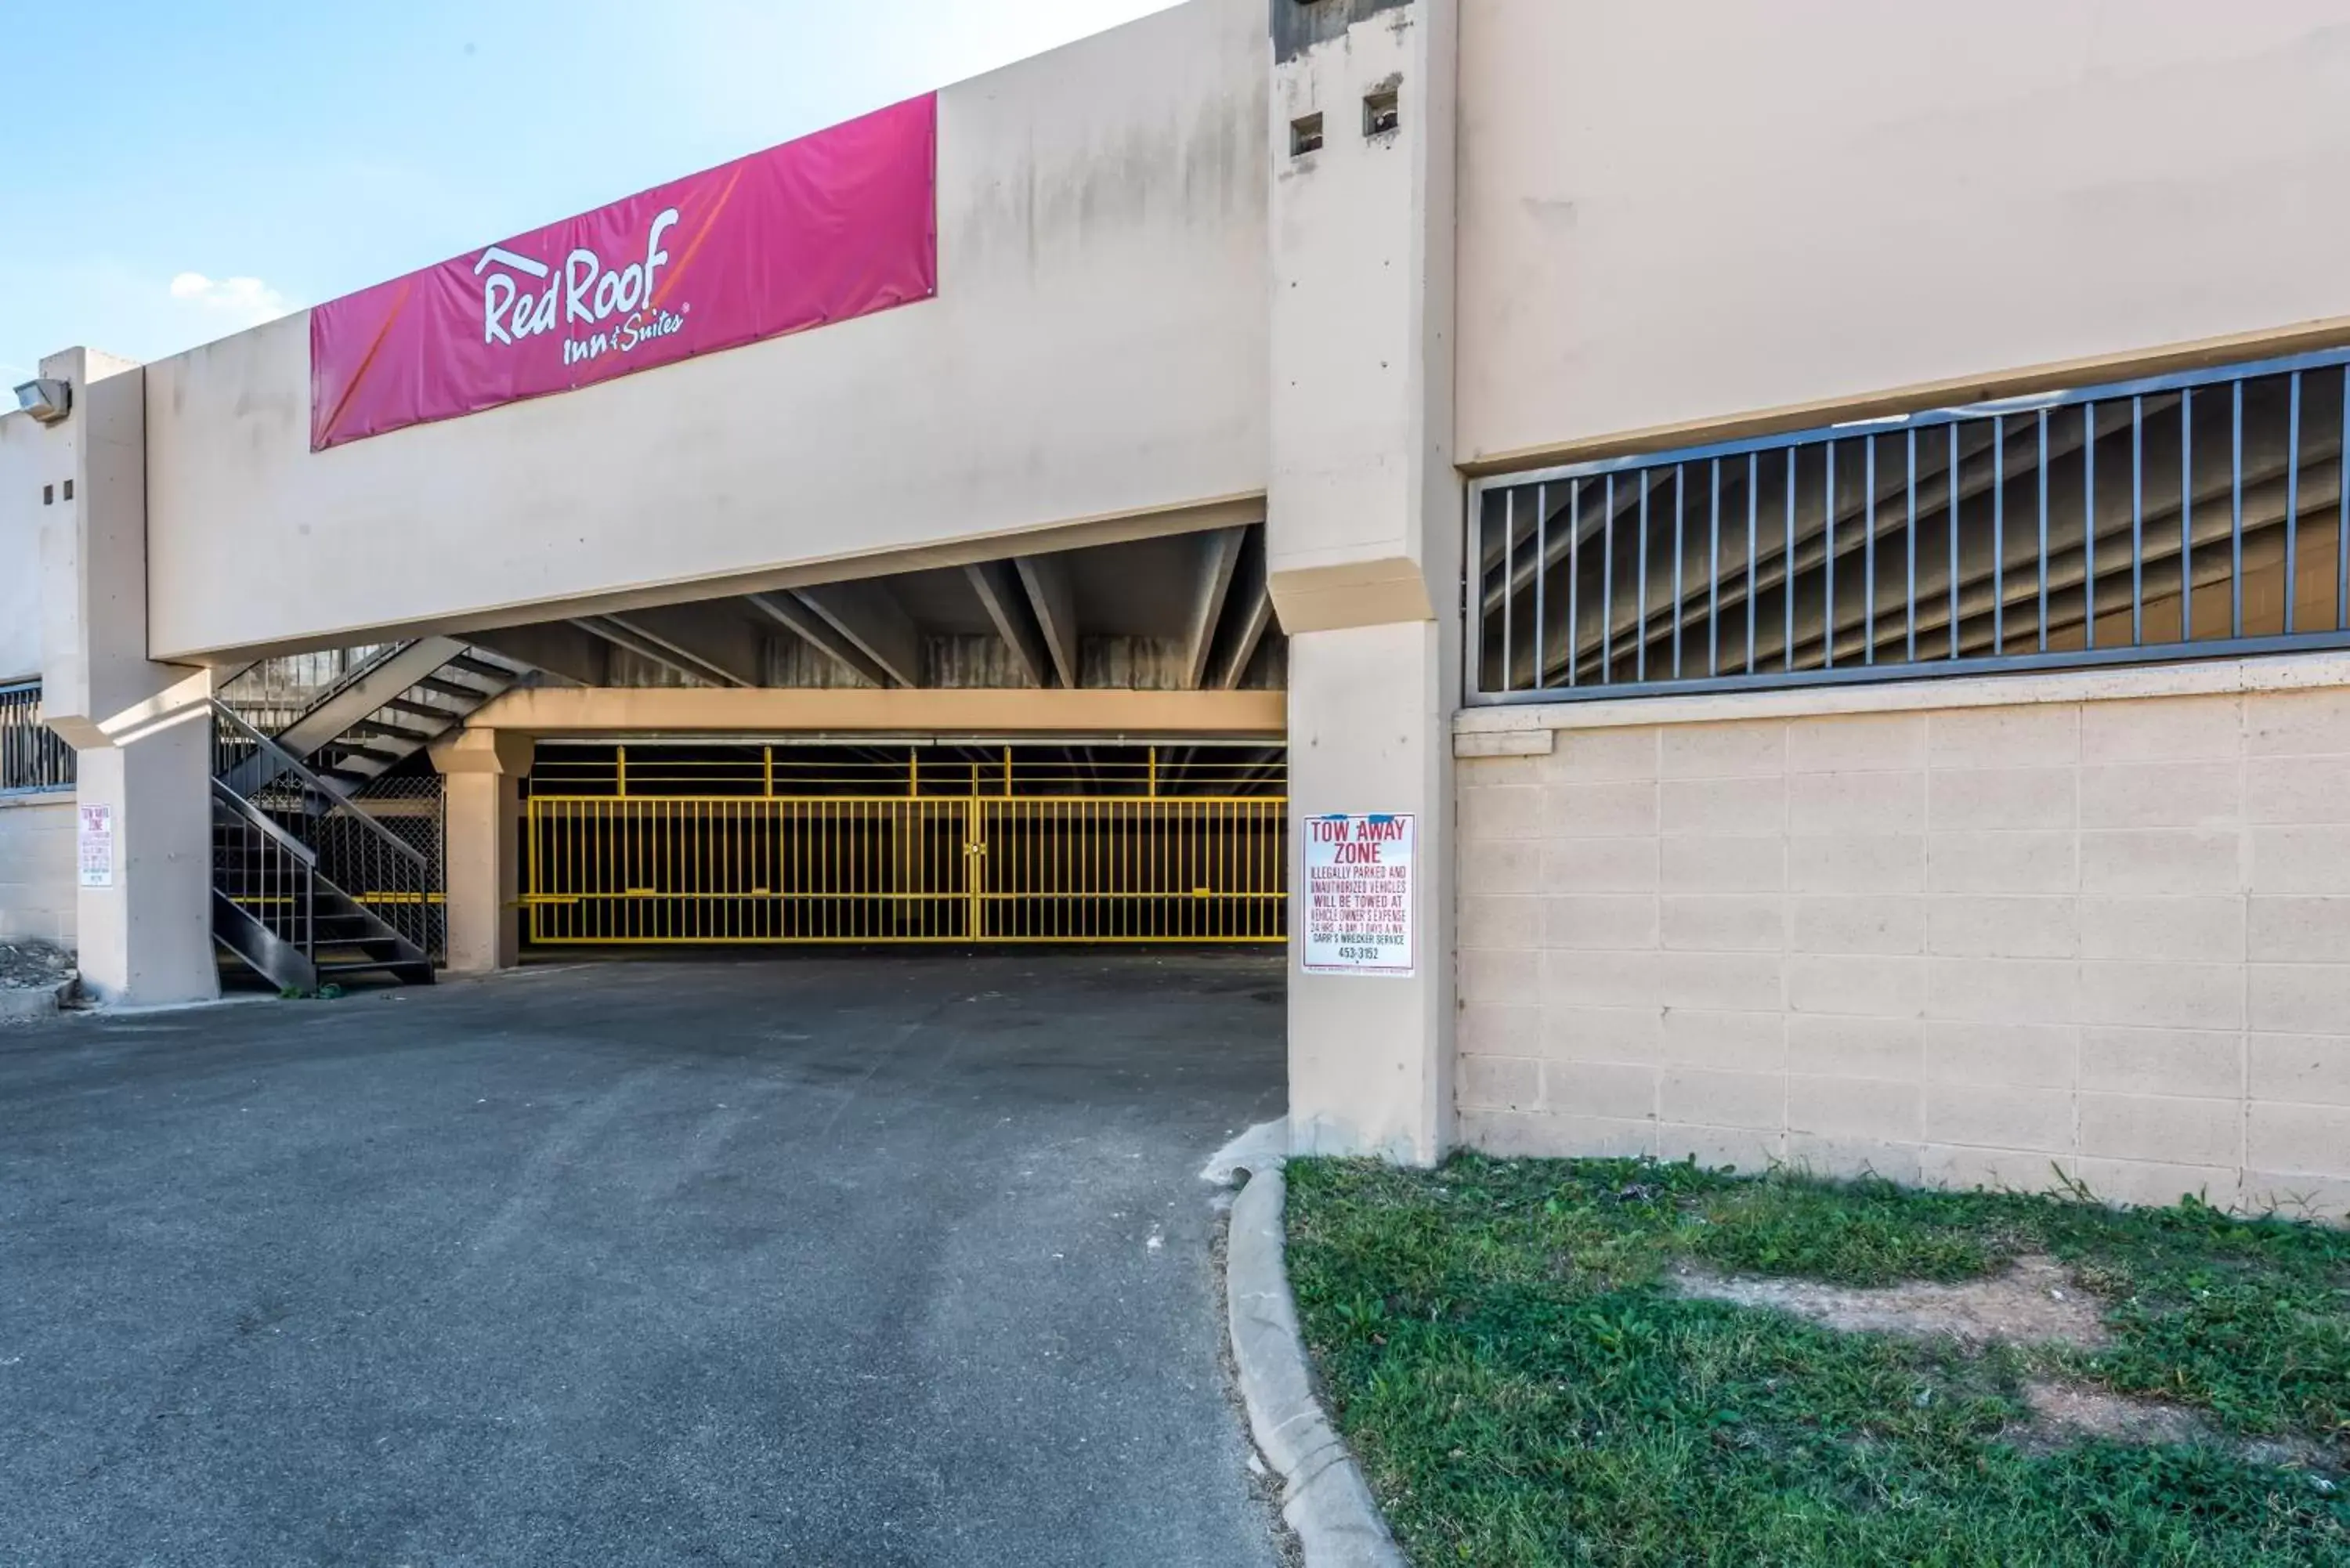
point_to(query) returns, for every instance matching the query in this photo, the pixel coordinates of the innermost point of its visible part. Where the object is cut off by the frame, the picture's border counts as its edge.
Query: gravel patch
(34, 966)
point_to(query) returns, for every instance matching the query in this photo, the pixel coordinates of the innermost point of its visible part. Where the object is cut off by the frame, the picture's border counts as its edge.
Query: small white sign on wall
(1358, 895)
(95, 841)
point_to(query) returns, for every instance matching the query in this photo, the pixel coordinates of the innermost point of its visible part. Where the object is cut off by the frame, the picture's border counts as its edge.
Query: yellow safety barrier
(616, 869)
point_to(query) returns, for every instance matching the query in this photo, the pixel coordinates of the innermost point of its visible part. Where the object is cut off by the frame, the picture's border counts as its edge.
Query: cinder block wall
(1966, 946)
(37, 867)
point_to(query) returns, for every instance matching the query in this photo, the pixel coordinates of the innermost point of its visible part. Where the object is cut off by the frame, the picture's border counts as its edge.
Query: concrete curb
(19, 1003)
(1323, 1496)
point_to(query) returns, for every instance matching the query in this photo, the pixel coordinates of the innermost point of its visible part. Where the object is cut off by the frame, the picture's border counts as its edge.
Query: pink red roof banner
(832, 226)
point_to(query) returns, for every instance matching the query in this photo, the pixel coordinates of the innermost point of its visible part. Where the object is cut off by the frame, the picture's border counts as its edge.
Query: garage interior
(330, 831)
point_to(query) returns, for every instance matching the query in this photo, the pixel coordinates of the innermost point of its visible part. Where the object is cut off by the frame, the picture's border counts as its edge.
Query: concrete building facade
(1353, 310)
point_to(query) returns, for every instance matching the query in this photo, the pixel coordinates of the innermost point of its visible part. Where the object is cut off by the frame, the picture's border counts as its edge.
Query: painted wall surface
(24, 465)
(1098, 347)
(1980, 945)
(36, 868)
(1364, 515)
(1671, 215)
(1370, 1056)
(1362, 530)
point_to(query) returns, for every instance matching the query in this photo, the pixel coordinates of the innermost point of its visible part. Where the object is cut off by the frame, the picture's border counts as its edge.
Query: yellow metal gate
(868, 868)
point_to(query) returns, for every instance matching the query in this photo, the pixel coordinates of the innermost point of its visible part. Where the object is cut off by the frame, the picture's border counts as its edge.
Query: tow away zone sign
(1359, 894)
(94, 842)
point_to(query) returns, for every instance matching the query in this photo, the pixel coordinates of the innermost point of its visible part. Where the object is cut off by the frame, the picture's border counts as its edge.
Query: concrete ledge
(11, 800)
(1504, 743)
(1476, 730)
(19, 1004)
(1323, 1496)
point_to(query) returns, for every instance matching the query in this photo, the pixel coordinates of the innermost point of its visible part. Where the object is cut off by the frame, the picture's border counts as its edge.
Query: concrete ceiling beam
(1251, 616)
(1220, 556)
(785, 610)
(1055, 602)
(998, 586)
(869, 616)
(717, 637)
(559, 647)
(686, 647)
(891, 716)
(1254, 623)
(621, 636)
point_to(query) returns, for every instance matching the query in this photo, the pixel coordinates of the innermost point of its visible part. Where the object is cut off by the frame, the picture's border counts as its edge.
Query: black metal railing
(2196, 515)
(270, 875)
(32, 757)
(380, 870)
(274, 692)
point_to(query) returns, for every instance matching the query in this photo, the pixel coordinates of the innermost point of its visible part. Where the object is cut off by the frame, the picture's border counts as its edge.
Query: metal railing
(2195, 515)
(901, 868)
(268, 874)
(391, 879)
(274, 692)
(713, 771)
(412, 808)
(32, 757)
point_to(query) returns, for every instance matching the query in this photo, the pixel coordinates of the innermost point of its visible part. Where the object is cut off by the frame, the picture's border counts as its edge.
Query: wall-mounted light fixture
(47, 399)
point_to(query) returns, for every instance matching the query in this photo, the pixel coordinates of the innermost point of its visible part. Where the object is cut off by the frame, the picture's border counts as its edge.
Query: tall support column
(141, 730)
(481, 775)
(1364, 530)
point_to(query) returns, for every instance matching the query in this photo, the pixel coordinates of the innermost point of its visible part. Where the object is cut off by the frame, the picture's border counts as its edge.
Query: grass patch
(1498, 1341)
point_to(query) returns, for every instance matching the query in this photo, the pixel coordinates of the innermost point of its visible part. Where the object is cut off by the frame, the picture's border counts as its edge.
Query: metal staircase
(310, 886)
(306, 887)
(386, 711)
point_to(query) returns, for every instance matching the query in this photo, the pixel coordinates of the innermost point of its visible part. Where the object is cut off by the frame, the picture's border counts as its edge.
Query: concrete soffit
(1206, 606)
(1220, 512)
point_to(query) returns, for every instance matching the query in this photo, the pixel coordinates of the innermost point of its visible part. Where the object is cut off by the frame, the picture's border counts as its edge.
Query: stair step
(406, 971)
(420, 709)
(448, 688)
(351, 749)
(398, 734)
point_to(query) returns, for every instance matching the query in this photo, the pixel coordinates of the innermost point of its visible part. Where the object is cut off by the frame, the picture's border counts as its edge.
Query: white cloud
(247, 301)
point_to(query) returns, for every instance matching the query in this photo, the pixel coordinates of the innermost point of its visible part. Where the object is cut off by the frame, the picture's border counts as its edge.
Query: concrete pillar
(141, 730)
(1364, 529)
(481, 775)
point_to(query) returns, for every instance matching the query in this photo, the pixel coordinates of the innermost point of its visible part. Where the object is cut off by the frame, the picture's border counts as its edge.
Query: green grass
(1496, 1345)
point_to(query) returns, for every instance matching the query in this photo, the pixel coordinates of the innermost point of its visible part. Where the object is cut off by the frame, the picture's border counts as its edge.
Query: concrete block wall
(37, 867)
(1966, 946)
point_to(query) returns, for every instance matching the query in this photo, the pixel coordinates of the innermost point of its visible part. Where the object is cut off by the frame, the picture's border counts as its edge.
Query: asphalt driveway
(808, 1261)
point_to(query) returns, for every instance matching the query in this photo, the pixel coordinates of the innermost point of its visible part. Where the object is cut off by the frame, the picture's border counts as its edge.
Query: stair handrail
(289, 763)
(350, 678)
(261, 819)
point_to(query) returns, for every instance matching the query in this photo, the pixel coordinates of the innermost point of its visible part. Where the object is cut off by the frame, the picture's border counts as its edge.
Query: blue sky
(212, 166)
